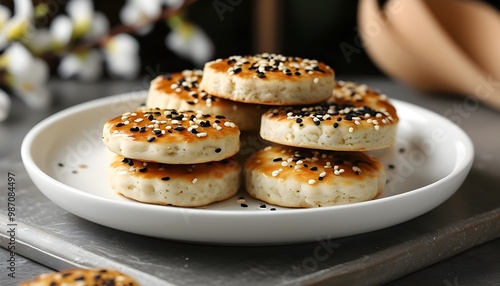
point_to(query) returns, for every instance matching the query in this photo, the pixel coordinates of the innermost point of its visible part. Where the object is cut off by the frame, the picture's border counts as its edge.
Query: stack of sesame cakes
(170, 157)
(319, 159)
(179, 148)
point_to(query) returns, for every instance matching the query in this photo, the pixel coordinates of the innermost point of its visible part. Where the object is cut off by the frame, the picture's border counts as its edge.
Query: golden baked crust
(171, 136)
(354, 118)
(269, 79)
(79, 277)
(180, 91)
(295, 177)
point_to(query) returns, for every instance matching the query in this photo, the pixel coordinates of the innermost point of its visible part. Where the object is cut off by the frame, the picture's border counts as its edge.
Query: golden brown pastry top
(271, 66)
(169, 125)
(313, 166)
(74, 277)
(166, 172)
(351, 104)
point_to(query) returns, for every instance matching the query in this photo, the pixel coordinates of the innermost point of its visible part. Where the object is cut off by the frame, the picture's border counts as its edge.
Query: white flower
(19, 25)
(139, 13)
(27, 76)
(4, 105)
(190, 42)
(86, 66)
(61, 29)
(122, 56)
(81, 13)
(18, 59)
(30, 86)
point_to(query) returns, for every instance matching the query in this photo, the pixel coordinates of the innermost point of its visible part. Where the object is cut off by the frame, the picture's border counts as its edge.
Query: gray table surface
(455, 229)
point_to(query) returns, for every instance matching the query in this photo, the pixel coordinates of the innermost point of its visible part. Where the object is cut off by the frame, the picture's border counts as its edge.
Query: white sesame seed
(356, 169)
(351, 129)
(268, 148)
(377, 127)
(219, 128)
(311, 181)
(322, 174)
(201, 134)
(316, 80)
(275, 173)
(284, 163)
(195, 180)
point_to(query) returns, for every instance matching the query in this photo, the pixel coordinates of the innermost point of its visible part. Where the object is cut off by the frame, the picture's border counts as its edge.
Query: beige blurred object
(447, 45)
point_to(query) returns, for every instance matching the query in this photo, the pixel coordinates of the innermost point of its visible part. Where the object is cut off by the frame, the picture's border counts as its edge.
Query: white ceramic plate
(65, 158)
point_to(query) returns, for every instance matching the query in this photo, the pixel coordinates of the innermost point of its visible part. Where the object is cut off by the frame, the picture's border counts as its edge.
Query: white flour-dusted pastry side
(187, 185)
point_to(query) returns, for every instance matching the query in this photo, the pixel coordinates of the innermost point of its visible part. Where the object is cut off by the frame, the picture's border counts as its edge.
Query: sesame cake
(354, 118)
(269, 79)
(172, 137)
(295, 177)
(78, 277)
(186, 185)
(180, 91)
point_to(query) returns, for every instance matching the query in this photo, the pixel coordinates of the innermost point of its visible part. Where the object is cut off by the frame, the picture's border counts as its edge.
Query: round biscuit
(76, 277)
(354, 118)
(180, 91)
(187, 185)
(294, 177)
(269, 79)
(172, 137)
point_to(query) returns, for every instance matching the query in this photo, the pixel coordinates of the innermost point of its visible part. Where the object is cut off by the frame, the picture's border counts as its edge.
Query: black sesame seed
(237, 70)
(217, 121)
(391, 166)
(151, 138)
(134, 129)
(313, 168)
(157, 131)
(299, 120)
(297, 73)
(244, 205)
(339, 118)
(320, 178)
(194, 131)
(142, 170)
(401, 150)
(262, 206)
(306, 166)
(165, 178)
(273, 209)
(60, 165)
(186, 88)
(277, 159)
(120, 124)
(157, 113)
(335, 125)
(151, 117)
(79, 278)
(317, 123)
(179, 128)
(218, 150)
(190, 102)
(220, 117)
(143, 129)
(261, 75)
(205, 123)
